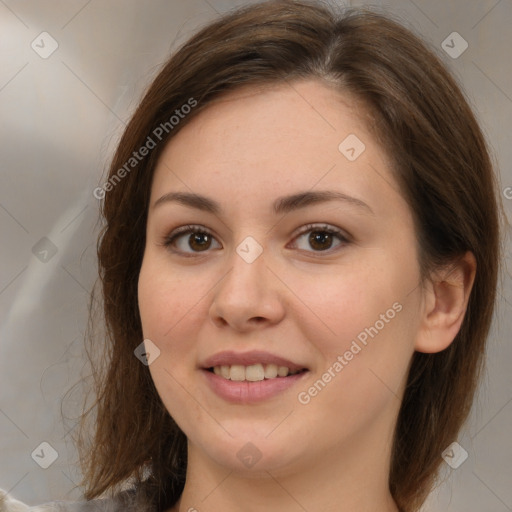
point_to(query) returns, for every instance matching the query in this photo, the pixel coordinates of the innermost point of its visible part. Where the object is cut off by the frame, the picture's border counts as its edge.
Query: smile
(250, 377)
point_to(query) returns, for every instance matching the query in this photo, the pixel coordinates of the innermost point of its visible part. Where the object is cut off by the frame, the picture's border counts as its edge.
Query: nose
(250, 296)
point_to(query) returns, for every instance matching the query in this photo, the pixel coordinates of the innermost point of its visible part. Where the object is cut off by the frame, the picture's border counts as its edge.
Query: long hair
(439, 157)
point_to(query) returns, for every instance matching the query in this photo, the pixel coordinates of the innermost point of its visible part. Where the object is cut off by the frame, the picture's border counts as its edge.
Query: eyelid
(321, 226)
(189, 228)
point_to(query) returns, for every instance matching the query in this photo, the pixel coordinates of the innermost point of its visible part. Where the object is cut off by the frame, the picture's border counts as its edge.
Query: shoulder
(125, 501)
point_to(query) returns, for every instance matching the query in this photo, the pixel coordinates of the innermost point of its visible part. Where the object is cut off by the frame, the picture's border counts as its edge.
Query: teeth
(252, 373)
(271, 371)
(237, 372)
(224, 371)
(282, 371)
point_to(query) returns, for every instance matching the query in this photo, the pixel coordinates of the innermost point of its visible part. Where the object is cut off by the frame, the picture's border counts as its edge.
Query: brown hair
(440, 159)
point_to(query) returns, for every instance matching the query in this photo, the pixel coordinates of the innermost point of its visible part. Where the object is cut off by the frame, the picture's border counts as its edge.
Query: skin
(295, 300)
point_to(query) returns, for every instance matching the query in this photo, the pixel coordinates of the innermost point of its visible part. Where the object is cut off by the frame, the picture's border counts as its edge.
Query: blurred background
(71, 74)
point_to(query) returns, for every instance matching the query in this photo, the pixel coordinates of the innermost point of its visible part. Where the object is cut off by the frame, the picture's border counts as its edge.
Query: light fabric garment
(125, 501)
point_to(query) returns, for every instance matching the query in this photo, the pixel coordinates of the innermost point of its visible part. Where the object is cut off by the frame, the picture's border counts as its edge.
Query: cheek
(168, 306)
(166, 302)
(363, 323)
(360, 383)
(347, 303)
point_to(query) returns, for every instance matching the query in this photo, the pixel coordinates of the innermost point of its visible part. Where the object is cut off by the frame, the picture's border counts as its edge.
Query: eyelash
(197, 229)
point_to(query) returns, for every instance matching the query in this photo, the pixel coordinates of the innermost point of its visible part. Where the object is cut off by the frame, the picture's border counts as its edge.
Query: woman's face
(277, 276)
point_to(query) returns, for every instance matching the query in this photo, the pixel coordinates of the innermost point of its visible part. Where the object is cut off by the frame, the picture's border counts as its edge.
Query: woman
(251, 366)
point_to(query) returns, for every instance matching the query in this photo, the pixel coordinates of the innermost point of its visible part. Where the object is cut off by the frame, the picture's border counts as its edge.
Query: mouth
(254, 372)
(251, 377)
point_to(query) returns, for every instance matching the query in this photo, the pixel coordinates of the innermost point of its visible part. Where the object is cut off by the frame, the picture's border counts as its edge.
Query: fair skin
(331, 452)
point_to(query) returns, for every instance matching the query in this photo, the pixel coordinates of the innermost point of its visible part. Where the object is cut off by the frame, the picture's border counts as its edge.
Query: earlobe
(445, 304)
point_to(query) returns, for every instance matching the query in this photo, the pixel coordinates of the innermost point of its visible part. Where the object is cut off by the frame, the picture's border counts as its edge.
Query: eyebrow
(281, 205)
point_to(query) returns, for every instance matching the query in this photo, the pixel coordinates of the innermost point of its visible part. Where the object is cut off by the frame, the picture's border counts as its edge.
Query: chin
(251, 455)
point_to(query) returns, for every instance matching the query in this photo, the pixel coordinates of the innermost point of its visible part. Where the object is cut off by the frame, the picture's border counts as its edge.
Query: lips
(236, 377)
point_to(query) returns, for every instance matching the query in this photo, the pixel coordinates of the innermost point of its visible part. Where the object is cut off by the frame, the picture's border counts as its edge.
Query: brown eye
(198, 240)
(321, 237)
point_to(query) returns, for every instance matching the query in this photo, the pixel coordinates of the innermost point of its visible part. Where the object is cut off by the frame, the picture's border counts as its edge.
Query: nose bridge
(248, 266)
(246, 292)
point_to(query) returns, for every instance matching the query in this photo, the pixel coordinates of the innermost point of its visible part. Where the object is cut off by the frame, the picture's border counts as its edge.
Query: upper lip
(228, 358)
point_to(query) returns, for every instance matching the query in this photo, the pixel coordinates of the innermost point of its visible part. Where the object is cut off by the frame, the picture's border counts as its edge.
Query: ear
(445, 303)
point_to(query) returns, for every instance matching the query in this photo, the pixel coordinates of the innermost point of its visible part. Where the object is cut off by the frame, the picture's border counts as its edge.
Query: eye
(321, 237)
(199, 239)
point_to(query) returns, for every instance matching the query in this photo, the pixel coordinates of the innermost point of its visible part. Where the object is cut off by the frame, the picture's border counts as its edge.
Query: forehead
(273, 138)
(289, 113)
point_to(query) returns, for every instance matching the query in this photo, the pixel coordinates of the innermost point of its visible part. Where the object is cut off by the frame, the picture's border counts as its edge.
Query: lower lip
(246, 392)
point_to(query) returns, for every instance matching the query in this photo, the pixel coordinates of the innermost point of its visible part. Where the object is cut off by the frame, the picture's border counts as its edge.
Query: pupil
(319, 236)
(197, 238)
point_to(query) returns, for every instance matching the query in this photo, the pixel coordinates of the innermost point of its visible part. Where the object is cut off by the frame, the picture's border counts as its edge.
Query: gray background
(61, 117)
